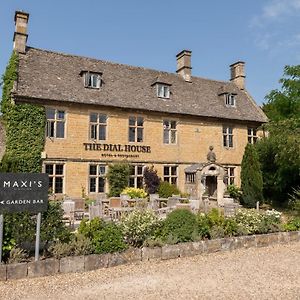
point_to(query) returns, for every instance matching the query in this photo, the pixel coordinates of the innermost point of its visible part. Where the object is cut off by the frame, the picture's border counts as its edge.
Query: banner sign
(23, 192)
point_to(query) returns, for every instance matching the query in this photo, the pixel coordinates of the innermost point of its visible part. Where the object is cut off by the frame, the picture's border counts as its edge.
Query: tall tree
(251, 177)
(279, 153)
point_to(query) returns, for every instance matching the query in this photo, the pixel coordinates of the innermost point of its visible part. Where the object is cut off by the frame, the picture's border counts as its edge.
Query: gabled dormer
(92, 79)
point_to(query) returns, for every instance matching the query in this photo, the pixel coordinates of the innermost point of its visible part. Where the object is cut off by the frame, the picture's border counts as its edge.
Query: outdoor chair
(68, 207)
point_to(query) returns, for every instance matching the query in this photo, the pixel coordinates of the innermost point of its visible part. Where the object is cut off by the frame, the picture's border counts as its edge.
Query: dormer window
(92, 80)
(163, 91)
(230, 99)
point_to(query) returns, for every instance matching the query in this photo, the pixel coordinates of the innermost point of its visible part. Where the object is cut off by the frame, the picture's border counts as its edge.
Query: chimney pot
(184, 68)
(20, 35)
(237, 71)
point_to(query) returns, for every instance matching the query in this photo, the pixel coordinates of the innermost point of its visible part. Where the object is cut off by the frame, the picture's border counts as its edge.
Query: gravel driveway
(264, 273)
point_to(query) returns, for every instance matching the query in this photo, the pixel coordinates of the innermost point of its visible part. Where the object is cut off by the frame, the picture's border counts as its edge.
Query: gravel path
(265, 273)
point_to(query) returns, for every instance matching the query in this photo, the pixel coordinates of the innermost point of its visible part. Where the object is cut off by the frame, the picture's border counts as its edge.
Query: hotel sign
(23, 192)
(117, 148)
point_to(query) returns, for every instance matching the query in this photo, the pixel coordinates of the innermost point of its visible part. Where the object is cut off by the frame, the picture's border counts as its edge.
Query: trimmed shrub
(251, 177)
(134, 192)
(118, 177)
(105, 237)
(167, 189)
(180, 224)
(140, 225)
(151, 180)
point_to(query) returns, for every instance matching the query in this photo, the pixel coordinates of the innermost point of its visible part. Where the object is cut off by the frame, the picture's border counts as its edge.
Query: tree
(151, 180)
(118, 178)
(251, 177)
(279, 152)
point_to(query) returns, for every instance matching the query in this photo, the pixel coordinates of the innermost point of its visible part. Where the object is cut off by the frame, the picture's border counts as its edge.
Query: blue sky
(263, 33)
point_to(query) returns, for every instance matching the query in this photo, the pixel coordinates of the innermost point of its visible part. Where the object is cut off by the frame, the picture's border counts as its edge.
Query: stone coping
(71, 264)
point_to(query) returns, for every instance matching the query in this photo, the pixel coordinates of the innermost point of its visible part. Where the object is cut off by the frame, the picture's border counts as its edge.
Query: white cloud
(276, 10)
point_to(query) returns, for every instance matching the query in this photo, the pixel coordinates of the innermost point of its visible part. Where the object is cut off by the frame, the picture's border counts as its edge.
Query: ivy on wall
(24, 125)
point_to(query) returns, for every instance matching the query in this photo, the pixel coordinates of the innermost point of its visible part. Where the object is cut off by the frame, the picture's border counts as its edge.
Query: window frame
(230, 100)
(169, 131)
(136, 176)
(170, 177)
(54, 176)
(97, 125)
(99, 175)
(136, 129)
(252, 137)
(56, 121)
(230, 175)
(227, 136)
(163, 91)
(89, 80)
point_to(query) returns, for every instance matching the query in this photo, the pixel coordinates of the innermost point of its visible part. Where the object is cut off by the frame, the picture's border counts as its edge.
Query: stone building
(99, 112)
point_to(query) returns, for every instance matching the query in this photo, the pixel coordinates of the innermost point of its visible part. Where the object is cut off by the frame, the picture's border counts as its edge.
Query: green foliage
(105, 237)
(24, 126)
(251, 177)
(134, 193)
(78, 245)
(279, 153)
(151, 180)
(139, 226)
(294, 201)
(118, 178)
(166, 189)
(234, 191)
(180, 224)
(52, 225)
(17, 255)
(292, 225)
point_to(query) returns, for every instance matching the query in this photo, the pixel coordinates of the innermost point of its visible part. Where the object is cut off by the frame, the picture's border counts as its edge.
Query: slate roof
(56, 76)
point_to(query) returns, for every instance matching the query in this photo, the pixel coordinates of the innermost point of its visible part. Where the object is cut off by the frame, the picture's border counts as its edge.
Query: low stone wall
(73, 264)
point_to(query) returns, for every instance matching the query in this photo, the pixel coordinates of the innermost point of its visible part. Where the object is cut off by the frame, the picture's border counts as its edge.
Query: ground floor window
(136, 176)
(170, 174)
(97, 178)
(190, 177)
(56, 177)
(230, 172)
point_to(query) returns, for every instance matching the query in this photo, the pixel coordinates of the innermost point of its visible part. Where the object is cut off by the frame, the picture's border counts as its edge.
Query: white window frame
(228, 136)
(52, 124)
(99, 174)
(230, 100)
(94, 127)
(230, 171)
(252, 135)
(137, 128)
(136, 176)
(169, 131)
(163, 91)
(170, 177)
(92, 80)
(54, 176)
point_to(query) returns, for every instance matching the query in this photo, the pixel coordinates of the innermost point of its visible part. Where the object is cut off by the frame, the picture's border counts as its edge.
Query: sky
(263, 33)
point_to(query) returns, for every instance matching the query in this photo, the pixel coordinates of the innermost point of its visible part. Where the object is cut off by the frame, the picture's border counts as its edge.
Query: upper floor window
(230, 99)
(56, 177)
(252, 137)
(136, 129)
(92, 80)
(227, 136)
(163, 91)
(55, 126)
(98, 126)
(170, 132)
(97, 178)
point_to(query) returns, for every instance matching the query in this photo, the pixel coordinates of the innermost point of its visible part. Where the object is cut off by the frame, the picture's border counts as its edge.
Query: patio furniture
(68, 207)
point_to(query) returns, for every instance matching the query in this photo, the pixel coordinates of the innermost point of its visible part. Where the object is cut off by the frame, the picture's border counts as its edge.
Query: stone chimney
(20, 35)
(237, 71)
(184, 68)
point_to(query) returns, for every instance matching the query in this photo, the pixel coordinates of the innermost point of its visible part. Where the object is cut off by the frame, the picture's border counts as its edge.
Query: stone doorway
(211, 186)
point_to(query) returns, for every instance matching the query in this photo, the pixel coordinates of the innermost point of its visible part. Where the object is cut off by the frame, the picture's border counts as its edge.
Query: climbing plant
(24, 126)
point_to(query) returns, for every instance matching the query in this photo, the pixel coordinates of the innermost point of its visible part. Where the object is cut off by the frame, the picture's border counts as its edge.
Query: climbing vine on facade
(24, 126)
